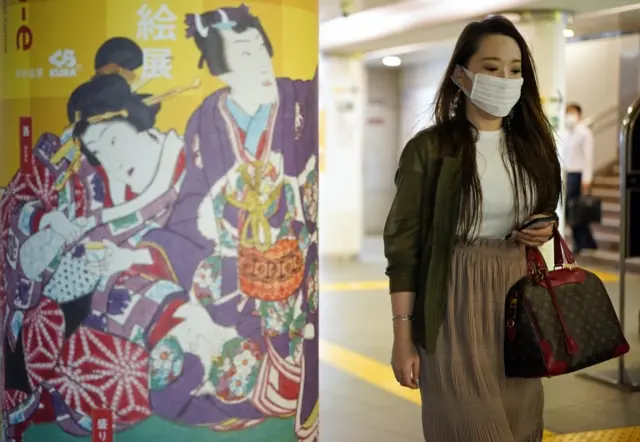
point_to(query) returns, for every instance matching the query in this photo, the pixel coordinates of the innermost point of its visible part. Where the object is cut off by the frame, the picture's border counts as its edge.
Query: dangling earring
(456, 103)
(508, 119)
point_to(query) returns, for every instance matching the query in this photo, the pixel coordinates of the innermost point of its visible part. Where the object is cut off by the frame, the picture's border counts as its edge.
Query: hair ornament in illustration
(113, 68)
(130, 76)
(155, 99)
(70, 148)
(224, 22)
(200, 27)
(217, 19)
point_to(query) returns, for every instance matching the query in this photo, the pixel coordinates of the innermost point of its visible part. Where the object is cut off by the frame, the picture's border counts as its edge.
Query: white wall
(344, 92)
(380, 145)
(593, 81)
(418, 85)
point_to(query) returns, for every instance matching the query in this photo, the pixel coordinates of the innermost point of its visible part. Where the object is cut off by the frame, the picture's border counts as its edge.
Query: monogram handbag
(559, 321)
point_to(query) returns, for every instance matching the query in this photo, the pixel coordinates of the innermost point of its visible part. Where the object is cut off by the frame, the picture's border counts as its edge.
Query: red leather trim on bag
(564, 276)
(572, 346)
(561, 251)
(554, 368)
(622, 349)
(535, 264)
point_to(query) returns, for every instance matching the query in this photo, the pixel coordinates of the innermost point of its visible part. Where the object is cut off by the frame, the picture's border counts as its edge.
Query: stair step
(606, 240)
(603, 192)
(607, 259)
(611, 221)
(610, 207)
(608, 181)
(600, 236)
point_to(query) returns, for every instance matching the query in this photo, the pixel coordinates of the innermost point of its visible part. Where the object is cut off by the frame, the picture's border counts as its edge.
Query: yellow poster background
(83, 25)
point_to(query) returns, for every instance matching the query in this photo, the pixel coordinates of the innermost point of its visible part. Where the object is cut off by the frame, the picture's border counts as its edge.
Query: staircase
(606, 186)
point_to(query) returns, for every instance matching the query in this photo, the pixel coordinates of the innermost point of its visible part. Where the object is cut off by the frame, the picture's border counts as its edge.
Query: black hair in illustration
(211, 45)
(108, 93)
(120, 51)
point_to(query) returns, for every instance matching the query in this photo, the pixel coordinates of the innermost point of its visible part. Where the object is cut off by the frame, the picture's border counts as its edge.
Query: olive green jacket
(420, 232)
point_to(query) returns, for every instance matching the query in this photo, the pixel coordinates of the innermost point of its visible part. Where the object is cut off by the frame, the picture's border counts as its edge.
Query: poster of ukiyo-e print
(158, 221)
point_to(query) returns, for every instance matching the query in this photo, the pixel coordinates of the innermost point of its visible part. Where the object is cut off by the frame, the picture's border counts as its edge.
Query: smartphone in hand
(539, 223)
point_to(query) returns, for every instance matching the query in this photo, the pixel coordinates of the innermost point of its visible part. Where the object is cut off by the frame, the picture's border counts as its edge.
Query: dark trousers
(582, 236)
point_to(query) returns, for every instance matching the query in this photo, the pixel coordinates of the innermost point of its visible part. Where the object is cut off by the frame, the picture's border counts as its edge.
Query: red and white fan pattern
(98, 370)
(42, 338)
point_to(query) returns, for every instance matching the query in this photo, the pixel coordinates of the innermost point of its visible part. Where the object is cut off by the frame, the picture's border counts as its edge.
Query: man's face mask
(571, 119)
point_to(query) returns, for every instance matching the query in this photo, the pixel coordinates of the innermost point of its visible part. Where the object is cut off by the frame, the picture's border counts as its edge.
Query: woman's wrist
(403, 330)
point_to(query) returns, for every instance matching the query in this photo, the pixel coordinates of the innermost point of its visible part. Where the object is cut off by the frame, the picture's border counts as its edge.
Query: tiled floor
(360, 401)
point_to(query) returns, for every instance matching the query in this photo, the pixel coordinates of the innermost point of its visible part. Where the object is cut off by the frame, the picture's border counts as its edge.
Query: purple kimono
(242, 238)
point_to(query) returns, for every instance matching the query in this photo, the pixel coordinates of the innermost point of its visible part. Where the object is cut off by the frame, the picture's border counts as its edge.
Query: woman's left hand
(535, 237)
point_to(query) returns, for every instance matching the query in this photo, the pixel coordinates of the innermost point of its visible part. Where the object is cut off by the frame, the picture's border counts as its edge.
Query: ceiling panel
(410, 22)
(438, 42)
(330, 9)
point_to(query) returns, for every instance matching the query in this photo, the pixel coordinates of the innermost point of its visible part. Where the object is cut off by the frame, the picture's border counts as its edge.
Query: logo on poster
(64, 62)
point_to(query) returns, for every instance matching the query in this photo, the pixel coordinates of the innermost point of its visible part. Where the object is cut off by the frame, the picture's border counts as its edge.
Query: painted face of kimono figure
(128, 156)
(250, 66)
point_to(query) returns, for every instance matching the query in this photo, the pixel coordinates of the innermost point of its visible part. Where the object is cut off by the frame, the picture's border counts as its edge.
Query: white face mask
(494, 95)
(571, 120)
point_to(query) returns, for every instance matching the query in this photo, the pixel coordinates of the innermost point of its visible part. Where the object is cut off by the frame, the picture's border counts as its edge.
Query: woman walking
(455, 244)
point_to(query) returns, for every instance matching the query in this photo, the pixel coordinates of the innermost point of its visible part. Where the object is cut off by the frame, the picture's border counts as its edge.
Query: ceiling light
(391, 61)
(568, 33)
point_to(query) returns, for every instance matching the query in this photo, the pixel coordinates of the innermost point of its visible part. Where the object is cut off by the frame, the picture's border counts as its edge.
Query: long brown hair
(530, 142)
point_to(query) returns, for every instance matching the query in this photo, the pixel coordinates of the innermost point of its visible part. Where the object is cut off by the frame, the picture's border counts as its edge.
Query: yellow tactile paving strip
(381, 376)
(631, 434)
(360, 286)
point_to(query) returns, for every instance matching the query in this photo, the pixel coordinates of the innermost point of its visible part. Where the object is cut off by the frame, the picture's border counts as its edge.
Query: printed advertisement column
(158, 220)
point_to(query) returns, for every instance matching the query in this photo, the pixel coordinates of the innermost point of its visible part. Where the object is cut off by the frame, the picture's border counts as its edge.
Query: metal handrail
(591, 122)
(621, 379)
(626, 139)
(613, 111)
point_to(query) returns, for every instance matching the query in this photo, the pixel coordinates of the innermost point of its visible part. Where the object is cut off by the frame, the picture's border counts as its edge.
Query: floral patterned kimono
(258, 281)
(65, 321)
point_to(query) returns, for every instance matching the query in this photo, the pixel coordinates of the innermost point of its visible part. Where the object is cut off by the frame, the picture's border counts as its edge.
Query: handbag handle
(563, 258)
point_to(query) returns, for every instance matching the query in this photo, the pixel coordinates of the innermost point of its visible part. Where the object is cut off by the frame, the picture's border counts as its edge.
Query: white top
(497, 192)
(577, 151)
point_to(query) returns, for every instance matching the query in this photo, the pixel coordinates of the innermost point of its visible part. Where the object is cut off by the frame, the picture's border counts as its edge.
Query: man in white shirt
(578, 159)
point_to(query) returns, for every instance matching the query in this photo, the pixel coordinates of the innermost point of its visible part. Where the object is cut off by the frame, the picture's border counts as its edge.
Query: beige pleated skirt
(465, 394)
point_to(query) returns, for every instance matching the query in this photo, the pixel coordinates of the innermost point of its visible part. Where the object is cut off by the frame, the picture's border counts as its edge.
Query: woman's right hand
(405, 362)
(61, 225)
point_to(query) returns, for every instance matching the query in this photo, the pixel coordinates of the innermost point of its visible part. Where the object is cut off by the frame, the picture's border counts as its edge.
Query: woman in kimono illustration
(93, 291)
(254, 143)
(35, 194)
